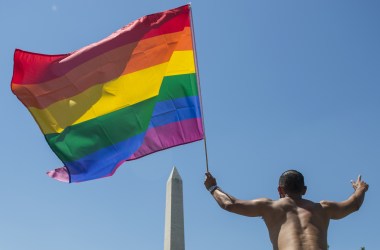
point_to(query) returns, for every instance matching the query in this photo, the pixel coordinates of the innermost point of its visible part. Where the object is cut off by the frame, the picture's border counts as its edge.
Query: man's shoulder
(265, 200)
(327, 204)
(281, 203)
(312, 202)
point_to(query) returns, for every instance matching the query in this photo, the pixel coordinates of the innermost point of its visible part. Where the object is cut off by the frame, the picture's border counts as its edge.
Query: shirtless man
(293, 223)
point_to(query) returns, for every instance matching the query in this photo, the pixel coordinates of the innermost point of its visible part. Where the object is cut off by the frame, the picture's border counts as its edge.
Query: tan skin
(293, 223)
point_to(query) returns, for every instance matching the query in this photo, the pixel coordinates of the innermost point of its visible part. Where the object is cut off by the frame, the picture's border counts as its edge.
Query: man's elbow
(228, 206)
(356, 207)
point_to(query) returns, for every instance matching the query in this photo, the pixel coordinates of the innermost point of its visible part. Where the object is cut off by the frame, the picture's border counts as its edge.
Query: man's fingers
(359, 178)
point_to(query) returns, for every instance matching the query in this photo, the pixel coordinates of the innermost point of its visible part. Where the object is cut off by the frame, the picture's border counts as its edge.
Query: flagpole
(199, 85)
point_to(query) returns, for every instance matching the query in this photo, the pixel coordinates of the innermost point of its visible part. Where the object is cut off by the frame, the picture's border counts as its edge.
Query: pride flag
(127, 96)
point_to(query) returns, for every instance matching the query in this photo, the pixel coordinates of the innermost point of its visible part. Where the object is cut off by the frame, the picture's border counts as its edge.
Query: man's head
(291, 183)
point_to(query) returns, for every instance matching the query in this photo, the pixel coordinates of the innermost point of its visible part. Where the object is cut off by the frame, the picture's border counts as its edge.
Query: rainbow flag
(131, 94)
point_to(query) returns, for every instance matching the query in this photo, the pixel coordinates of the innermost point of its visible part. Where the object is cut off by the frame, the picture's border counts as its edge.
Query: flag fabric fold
(129, 95)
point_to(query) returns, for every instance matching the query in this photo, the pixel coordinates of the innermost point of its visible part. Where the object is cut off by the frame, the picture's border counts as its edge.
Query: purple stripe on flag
(170, 135)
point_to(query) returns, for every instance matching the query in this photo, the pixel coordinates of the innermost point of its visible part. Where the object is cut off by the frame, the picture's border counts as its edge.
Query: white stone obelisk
(174, 223)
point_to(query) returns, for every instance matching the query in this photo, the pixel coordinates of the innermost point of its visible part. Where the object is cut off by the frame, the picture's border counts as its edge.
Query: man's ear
(281, 191)
(304, 190)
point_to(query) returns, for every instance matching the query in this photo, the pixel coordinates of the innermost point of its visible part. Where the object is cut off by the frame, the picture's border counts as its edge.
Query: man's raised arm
(251, 208)
(338, 210)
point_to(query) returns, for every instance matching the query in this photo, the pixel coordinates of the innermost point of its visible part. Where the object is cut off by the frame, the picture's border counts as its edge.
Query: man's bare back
(293, 223)
(296, 224)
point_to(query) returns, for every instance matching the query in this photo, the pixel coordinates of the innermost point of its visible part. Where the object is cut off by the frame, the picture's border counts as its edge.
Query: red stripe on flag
(33, 68)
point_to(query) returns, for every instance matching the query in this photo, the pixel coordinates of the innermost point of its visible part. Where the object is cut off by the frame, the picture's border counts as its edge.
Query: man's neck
(294, 196)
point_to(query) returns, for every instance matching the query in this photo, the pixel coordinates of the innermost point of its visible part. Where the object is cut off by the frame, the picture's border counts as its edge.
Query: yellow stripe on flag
(181, 62)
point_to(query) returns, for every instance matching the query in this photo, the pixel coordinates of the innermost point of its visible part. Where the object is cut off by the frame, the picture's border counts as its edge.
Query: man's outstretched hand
(209, 180)
(359, 184)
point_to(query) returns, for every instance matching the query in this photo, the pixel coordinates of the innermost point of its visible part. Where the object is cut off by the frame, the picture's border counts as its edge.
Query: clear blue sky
(285, 84)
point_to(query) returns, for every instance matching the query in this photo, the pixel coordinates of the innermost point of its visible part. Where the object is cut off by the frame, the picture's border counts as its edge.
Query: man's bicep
(252, 208)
